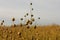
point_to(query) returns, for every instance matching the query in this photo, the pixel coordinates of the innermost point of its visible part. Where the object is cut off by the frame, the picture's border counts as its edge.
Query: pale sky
(48, 10)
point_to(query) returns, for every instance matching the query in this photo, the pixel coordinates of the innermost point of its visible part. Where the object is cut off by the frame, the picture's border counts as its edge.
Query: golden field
(47, 32)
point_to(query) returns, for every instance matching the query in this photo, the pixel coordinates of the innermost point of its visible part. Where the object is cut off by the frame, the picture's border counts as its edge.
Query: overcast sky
(48, 10)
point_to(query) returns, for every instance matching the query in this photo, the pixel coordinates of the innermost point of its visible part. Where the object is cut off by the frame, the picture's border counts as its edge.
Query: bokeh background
(47, 10)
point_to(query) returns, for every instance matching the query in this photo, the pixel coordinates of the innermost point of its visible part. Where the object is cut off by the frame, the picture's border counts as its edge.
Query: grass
(49, 32)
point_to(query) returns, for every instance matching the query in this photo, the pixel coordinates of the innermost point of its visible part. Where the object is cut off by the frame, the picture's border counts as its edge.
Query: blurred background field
(18, 32)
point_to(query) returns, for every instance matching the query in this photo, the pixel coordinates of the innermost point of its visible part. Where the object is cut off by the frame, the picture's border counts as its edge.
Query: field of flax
(27, 32)
(49, 32)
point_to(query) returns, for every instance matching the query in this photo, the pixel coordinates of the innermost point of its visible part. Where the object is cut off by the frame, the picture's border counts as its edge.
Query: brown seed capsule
(28, 27)
(3, 21)
(35, 27)
(19, 33)
(38, 17)
(30, 3)
(27, 14)
(30, 23)
(21, 18)
(10, 32)
(24, 15)
(26, 23)
(32, 15)
(13, 19)
(14, 25)
(32, 9)
(21, 25)
(32, 19)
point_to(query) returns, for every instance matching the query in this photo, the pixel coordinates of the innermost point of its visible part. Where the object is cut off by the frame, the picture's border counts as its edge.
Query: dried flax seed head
(10, 31)
(21, 24)
(14, 25)
(2, 21)
(38, 17)
(32, 9)
(13, 19)
(27, 14)
(32, 15)
(30, 22)
(24, 15)
(19, 33)
(27, 22)
(32, 19)
(21, 19)
(30, 3)
(35, 27)
(28, 27)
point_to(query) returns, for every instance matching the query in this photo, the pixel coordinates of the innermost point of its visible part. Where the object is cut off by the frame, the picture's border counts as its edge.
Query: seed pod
(21, 25)
(3, 21)
(14, 25)
(38, 17)
(13, 19)
(35, 27)
(32, 19)
(30, 3)
(10, 32)
(19, 33)
(30, 23)
(26, 23)
(32, 9)
(27, 14)
(24, 15)
(32, 15)
(28, 27)
(21, 18)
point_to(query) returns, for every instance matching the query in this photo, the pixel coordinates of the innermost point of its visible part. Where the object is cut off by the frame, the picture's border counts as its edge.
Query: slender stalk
(30, 9)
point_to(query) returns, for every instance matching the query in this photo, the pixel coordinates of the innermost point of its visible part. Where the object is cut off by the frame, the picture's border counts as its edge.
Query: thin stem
(30, 9)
